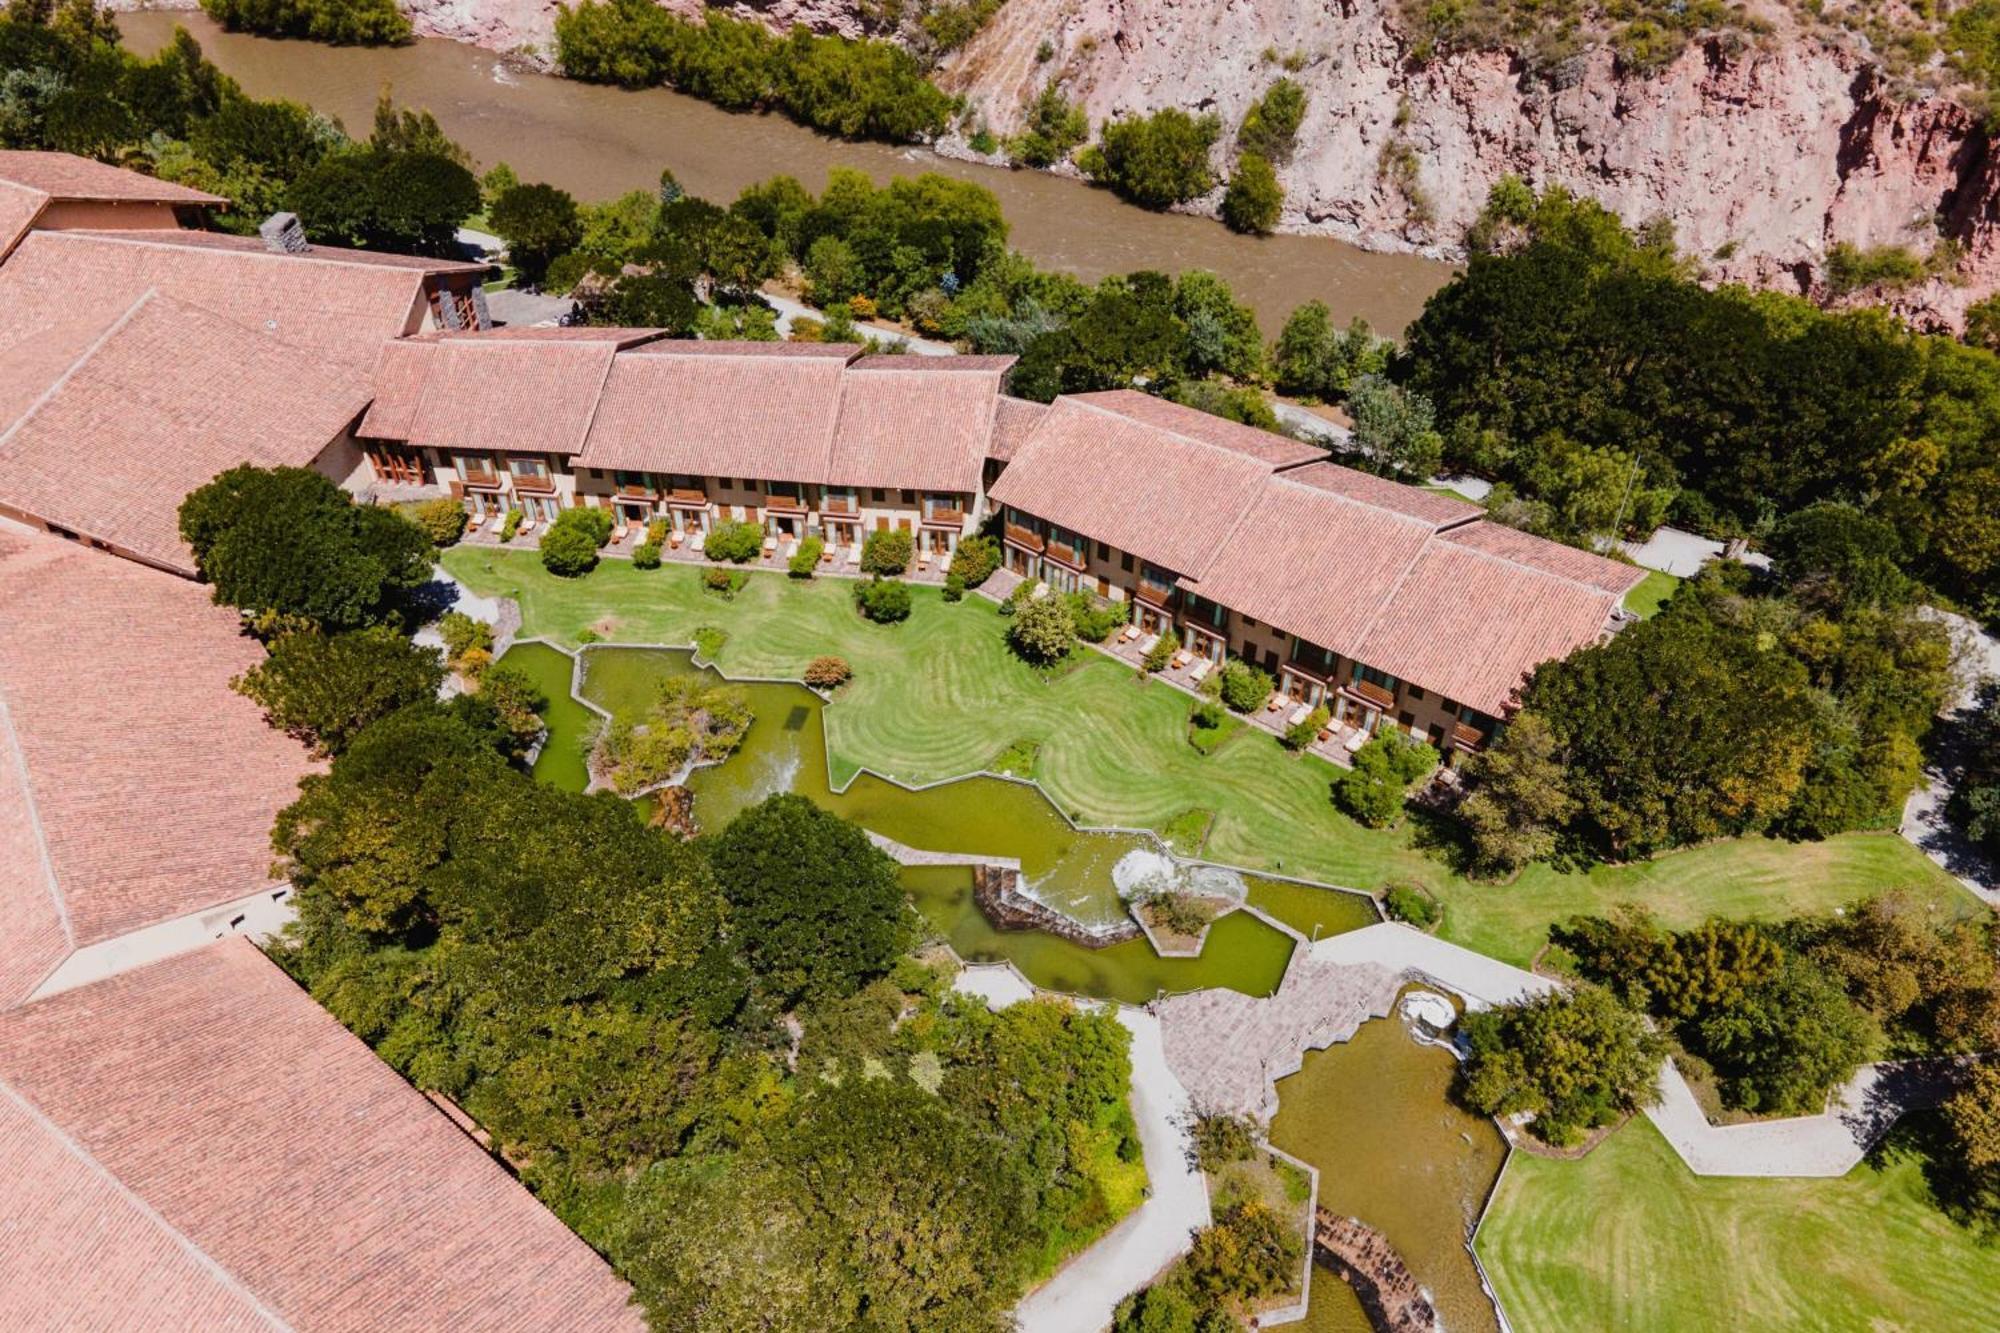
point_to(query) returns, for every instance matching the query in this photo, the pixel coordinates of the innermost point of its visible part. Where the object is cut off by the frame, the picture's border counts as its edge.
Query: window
(1124, 559)
(630, 478)
(881, 496)
(1103, 551)
(1313, 658)
(1248, 623)
(1271, 660)
(1374, 677)
(1415, 693)
(528, 467)
(909, 497)
(1407, 719)
(468, 465)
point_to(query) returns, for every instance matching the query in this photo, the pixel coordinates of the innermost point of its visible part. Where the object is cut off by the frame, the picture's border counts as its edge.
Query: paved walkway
(998, 984)
(1479, 980)
(1083, 1295)
(1924, 815)
(789, 309)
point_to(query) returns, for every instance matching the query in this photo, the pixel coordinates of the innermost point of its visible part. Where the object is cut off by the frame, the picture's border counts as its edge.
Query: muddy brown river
(597, 142)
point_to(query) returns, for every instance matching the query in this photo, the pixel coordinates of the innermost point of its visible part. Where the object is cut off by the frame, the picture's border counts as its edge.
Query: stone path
(1408, 952)
(1830, 1144)
(1082, 1296)
(1924, 822)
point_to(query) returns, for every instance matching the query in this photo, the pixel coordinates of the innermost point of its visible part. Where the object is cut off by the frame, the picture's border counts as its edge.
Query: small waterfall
(1142, 871)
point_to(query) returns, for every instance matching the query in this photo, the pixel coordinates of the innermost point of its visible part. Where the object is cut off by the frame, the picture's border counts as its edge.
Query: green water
(1393, 1150)
(785, 750)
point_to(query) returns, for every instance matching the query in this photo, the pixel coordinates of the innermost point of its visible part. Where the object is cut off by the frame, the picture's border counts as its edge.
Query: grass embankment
(1652, 593)
(940, 696)
(1629, 1238)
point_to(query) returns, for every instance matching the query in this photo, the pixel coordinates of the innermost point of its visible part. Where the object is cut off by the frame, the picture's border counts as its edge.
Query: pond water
(1393, 1150)
(598, 142)
(785, 750)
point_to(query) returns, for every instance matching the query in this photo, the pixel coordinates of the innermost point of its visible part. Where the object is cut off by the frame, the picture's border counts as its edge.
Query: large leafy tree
(815, 907)
(325, 688)
(1156, 160)
(538, 222)
(1575, 1060)
(286, 541)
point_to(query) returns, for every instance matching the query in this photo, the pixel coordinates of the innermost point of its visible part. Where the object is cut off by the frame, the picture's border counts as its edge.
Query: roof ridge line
(40, 834)
(1388, 598)
(1196, 440)
(61, 381)
(1533, 569)
(596, 402)
(1242, 517)
(137, 236)
(201, 1257)
(1284, 475)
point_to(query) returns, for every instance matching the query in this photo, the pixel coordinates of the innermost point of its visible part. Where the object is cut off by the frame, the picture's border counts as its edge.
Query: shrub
(472, 665)
(342, 22)
(511, 525)
(724, 583)
(442, 519)
(692, 720)
(538, 222)
(886, 551)
(1176, 912)
(975, 559)
(1043, 630)
(805, 560)
(1210, 687)
(1254, 197)
(324, 689)
(884, 601)
(1245, 687)
(1575, 1060)
(1095, 620)
(1161, 653)
(1155, 160)
(646, 555)
(1409, 903)
(954, 588)
(1306, 730)
(658, 530)
(1373, 790)
(734, 542)
(588, 636)
(569, 547)
(1220, 1138)
(462, 633)
(1251, 1252)
(1271, 127)
(828, 673)
(708, 641)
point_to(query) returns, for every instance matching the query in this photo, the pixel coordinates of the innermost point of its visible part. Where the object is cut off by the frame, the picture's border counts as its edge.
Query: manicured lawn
(1628, 1238)
(1646, 599)
(941, 696)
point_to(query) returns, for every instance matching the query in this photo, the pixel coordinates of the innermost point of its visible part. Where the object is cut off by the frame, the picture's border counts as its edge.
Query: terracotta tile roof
(326, 254)
(525, 395)
(917, 422)
(1614, 576)
(1014, 419)
(719, 409)
(1414, 501)
(1313, 562)
(1470, 625)
(337, 311)
(157, 404)
(1155, 479)
(242, 1152)
(150, 785)
(19, 207)
(544, 333)
(66, 176)
(1277, 450)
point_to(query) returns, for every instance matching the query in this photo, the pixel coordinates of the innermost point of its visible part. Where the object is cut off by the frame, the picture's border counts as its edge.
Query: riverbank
(598, 142)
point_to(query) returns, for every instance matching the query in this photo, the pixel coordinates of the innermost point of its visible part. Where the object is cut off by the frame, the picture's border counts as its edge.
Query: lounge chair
(1147, 644)
(619, 531)
(770, 545)
(1355, 740)
(1299, 714)
(1201, 669)
(791, 547)
(1131, 633)
(674, 540)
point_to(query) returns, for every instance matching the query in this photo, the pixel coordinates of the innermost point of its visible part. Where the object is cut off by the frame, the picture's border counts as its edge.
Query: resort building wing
(60, 191)
(137, 789)
(196, 1144)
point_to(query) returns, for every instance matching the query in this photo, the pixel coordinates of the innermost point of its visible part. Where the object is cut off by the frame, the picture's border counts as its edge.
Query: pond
(1392, 1149)
(785, 750)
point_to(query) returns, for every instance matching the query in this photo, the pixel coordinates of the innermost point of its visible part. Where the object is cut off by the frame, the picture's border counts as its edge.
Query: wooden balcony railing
(481, 480)
(795, 504)
(1026, 538)
(1371, 694)
(1064, 552)
(637, 493)
(837, 504)
(1466, 736)
(532, 485)
(1156, 591)
(687, 498)
(939, 516)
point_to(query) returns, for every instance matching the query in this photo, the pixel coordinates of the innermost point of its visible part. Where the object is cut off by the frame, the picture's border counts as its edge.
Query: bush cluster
(735, 542)
(1373, 790)
(1043, 630)
(1244, 687)
(805, 560)
(828, 673)
(887, 551)
(344, 22)
(570, 546)
(974, 559)
(442, 519)
(1155, 161)
(883, 600)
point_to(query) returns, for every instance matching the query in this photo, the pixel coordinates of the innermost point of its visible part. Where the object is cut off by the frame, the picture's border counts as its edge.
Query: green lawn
(1646, 599)
(1628, 1238)
(940, 696)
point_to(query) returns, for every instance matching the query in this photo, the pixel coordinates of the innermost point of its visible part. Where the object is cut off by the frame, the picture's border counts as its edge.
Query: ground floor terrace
(941, 696)
(540, 486)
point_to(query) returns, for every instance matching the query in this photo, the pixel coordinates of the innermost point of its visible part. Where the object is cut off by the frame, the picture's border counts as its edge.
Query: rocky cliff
(1761, 157)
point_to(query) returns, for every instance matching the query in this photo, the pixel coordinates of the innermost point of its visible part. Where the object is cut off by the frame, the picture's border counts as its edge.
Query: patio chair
(828, 554)
(1147, 644)
(674, 540)
(1131, 633)
(1299, 714)
(770, 546)
(1201, 669)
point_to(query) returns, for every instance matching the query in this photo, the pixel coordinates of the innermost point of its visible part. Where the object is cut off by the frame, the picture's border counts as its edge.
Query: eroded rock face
(1761, 159)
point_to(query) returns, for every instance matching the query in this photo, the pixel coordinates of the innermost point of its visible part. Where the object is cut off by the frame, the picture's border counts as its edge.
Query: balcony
(1467, 737)
(943, 516)
(1025, 538)
(645, 493)
(1064, 553)
(842, 505)
(527, 484)
(794, 503)
(686, 498)
(480, 479)
(1368, 692)
(1157, 592)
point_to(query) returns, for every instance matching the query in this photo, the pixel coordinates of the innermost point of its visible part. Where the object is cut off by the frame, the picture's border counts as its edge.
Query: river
(598, 142)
